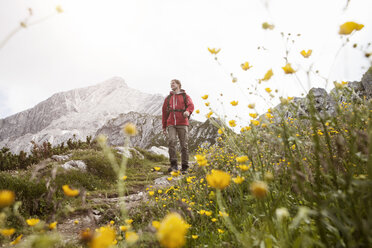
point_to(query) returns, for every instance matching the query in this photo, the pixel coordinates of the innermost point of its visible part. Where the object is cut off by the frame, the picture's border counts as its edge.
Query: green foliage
(97, 164)
(9, 161)
(80, 179)
(32, 193)
(152, 156)
(317, 167)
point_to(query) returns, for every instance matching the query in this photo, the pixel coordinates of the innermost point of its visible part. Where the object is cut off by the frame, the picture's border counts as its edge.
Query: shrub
(97, 163)
(152, 156)
(31, 193)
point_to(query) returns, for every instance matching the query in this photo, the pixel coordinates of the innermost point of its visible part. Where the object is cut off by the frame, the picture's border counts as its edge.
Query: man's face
(174, 86)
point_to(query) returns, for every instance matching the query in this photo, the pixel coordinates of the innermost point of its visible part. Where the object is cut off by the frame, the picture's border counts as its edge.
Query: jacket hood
(173, 92)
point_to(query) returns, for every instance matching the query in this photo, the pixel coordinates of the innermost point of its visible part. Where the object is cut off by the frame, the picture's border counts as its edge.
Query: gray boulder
(74, 165)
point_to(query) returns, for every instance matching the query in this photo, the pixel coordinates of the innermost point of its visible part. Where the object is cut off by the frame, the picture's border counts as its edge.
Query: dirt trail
(90, 219)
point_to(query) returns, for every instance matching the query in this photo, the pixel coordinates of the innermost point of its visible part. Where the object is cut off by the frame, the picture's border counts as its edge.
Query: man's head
(175, 85)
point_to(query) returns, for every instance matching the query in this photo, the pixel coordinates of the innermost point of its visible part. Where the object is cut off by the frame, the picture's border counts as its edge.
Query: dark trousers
(183, 135)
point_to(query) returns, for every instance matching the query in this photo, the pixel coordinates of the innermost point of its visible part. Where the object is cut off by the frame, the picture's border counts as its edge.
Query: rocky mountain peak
(75, 113)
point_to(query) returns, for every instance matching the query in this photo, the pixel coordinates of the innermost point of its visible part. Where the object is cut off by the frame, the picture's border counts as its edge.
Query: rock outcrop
(326, 104)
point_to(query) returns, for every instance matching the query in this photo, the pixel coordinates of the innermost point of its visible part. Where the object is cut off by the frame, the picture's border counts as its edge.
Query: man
(176, 112)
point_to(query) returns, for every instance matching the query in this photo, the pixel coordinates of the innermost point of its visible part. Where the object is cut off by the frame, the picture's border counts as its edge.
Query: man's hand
(186, 114)
(165, 132)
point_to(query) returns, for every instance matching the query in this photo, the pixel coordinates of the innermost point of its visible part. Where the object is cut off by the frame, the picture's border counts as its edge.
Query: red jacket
(176, 102)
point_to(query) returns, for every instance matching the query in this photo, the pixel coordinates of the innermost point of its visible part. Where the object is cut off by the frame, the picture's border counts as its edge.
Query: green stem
(228, 221)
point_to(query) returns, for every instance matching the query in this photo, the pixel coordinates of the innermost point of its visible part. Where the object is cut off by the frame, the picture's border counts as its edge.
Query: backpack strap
(168, 106)
(184, 100)
(169, 109)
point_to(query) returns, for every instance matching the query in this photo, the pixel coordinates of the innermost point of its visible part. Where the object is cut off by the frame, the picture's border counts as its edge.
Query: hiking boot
(184, 169)
(173, 166)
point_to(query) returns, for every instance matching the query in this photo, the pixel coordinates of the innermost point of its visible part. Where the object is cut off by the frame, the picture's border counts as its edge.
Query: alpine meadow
(296, 174)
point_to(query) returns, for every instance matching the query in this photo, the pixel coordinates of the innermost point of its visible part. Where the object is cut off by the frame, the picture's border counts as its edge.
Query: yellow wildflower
(151, 193)
(205, 97)
(131, 237)
(130, 129)
(202, 212)
(156, 224)
(129, 221)
(349, 27)
(253, 115)
(232, 123)
(209, 115)
(242, 159)
(16, 241)
(175, 173)
(53, 225)
(244, 167)
(251, 105)
(194, 236)
(160, 191)
(234, 103)
(213, 219)
(306, 54)
(32, 222)
(169, 179)
(125, 228)
(247, 128)
(268, 75)
(76, 222)
(86, 235)
(201, 160)
(207, 104)
(218, 179)
(255, 122)
(7, 198)
(259, 189)
(268, 90)
(208, 213)
(222, 214)
(7, 232)
(266, 25)
(214, 50)
(245, 66)
(288, 69)
(197, 111)
(104, 238)
(59, 9)
(157, 168)
(124, 178)
(172, 231)
(69, 192)
(220, 230)
(238, 179)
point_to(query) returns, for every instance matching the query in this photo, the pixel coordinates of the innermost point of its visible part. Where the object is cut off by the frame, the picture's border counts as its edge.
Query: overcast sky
(150, 42)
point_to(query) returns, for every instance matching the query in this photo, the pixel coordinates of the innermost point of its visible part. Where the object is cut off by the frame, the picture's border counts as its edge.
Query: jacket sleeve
(190, 104)
(164, 114)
